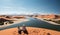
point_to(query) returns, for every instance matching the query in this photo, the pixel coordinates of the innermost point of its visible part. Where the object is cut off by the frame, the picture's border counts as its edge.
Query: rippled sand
(31, 31)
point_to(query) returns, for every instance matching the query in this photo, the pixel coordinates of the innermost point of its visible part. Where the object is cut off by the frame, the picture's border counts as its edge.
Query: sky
(29, 7)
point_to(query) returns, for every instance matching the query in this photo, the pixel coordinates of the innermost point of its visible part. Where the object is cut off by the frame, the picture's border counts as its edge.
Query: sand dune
(31, 31)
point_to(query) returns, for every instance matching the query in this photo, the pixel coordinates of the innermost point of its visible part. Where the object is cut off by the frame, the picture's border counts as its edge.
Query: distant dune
(31, 31)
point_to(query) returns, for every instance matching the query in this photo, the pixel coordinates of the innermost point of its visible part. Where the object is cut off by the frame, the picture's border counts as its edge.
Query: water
(34, 23)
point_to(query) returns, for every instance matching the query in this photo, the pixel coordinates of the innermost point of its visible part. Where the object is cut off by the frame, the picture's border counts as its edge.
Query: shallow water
(34, 23)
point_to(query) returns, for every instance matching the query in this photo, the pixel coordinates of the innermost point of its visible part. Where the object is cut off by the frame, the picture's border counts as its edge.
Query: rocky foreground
(31, 31)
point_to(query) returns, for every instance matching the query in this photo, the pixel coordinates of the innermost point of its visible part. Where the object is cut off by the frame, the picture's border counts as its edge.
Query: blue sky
(29, 6)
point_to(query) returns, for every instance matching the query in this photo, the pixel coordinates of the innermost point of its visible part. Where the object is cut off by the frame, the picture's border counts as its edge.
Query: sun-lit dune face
(19, 17)
(47, 16)
(31, 31)
(51, 16)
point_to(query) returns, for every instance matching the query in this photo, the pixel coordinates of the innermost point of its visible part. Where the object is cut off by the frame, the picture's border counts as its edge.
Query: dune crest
(31, 31)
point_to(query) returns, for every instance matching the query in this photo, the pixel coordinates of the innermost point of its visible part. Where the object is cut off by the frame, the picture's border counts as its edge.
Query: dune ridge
(31, 31)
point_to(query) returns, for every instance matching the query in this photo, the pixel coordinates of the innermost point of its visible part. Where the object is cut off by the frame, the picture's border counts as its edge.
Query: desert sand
(31, 31)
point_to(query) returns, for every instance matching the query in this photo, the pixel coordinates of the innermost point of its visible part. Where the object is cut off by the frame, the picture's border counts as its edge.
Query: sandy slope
(31, 31)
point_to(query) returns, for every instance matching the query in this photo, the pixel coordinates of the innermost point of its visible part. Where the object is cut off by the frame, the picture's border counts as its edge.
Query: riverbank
(15, 22)
(49, 21)
(31, 31)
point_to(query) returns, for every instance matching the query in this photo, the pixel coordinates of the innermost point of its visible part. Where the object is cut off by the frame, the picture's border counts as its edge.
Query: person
(19, 31)
(23, 28)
